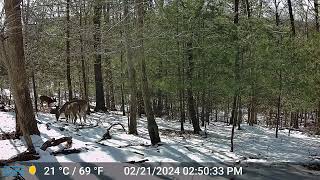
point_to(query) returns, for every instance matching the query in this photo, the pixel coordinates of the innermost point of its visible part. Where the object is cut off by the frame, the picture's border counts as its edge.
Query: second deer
(73, 110)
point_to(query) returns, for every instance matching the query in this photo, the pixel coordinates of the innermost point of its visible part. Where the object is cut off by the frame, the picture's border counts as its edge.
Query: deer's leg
(75, 118)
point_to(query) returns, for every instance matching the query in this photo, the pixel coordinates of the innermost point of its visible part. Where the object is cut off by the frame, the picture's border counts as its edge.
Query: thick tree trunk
(152, 125)
(26, 32)
(83, 65)
(68, 52)
(131, 72)
(190, 99)
(12, 53)
(100, 101)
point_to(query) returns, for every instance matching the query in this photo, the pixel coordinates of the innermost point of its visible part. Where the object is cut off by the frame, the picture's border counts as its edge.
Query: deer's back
(72, 107)
(47, 99)
(78, 105)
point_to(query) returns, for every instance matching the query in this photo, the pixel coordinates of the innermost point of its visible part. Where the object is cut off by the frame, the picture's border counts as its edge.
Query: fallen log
(24, 156)
(129, 145)
(140, 161)
(107, 134)
(11, 135)
(56, 142)
(141, 144)
(66, 151)
(87, 127)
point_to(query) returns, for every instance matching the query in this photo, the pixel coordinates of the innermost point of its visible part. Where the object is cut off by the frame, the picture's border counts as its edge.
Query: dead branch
(66, 151)
(129, 145)
(54, 142)
(87, 127)
(24, 156)
(11, 135)
(107, 134)
(138, 153)
(140, 161)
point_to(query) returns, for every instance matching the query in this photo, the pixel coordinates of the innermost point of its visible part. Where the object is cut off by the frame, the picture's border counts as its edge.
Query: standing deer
(83, 106)
(73, 109)
(46, 99)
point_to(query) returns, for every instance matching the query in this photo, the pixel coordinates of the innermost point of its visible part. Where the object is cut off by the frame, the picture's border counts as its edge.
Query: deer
(83, 106)
(73, 109)
(46, 99)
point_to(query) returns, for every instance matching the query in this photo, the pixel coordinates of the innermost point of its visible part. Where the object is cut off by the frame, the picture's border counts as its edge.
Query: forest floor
(252, 144)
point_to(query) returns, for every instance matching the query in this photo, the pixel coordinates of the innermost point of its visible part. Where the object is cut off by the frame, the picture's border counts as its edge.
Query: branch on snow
(56, 142)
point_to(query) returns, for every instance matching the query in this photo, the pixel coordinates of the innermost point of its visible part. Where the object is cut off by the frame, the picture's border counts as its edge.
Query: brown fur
(73, 109)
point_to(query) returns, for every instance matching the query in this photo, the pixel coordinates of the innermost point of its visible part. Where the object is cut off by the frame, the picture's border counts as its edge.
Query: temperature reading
(48, 171)
(84, 171)
(71, 171)
(99, 170)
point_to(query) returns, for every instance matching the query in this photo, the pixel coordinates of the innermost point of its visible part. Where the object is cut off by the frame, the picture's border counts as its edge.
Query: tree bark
(100, 101)
(131, 72)
(237, 73)
(152, 125)
(293, 29)
(35, 95)
(276, 4)
(316, 14)
(190, 99)
(12, 53)
(122, 80)
(248, 8)
(83, 64)
(68, 52)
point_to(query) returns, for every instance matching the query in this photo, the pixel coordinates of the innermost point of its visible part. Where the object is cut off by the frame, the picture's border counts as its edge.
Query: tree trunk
(83, 65)
(34, 91)
(279, 104)
(190, 99)
(26, 32)
(122, 76)
(202, 108)
(140, 103)
(305, 118)
(237, 73)
(276, 4)
(109, 85)
(152, 125)
(293, 29)
(131, 72)
(68, 51)
(316, 14)
(248, 8)
(100, 101)
(239, 120)
(12, 53)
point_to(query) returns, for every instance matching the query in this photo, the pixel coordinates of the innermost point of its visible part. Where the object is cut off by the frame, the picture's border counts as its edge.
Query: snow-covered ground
(252, 144)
